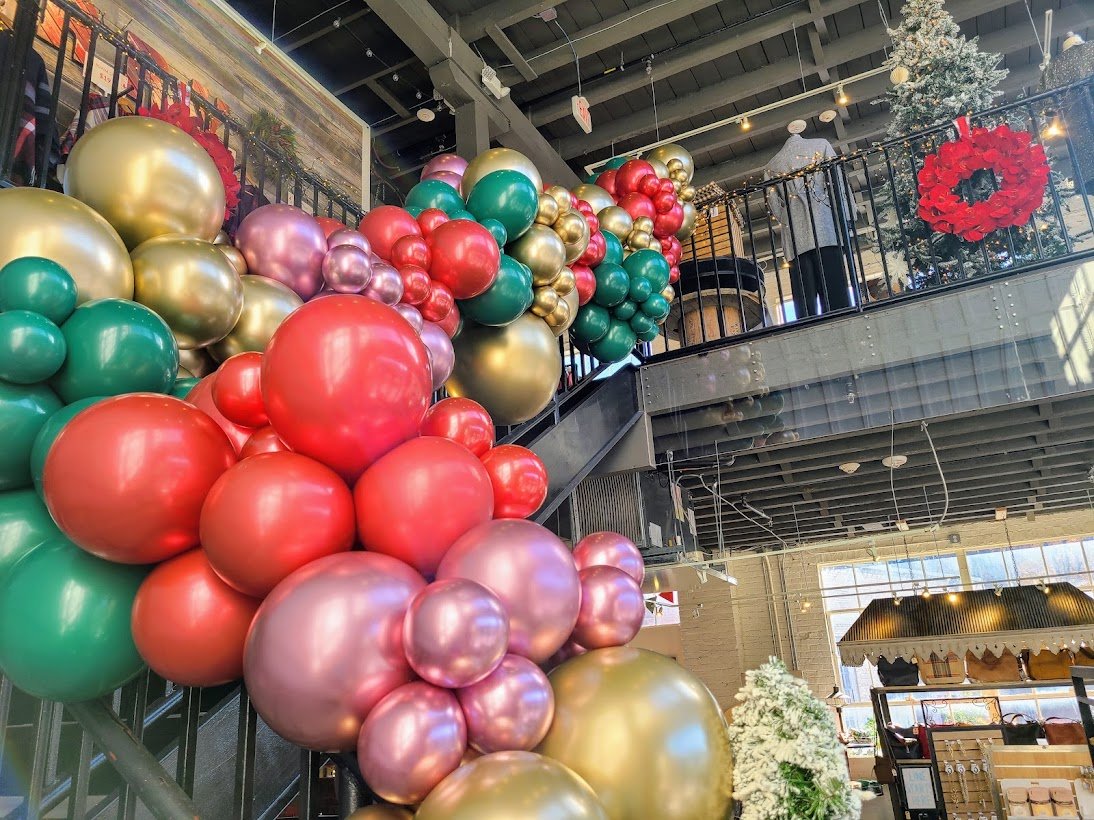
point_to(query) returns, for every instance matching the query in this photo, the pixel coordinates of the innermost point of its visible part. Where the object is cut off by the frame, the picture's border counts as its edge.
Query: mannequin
(811, 228)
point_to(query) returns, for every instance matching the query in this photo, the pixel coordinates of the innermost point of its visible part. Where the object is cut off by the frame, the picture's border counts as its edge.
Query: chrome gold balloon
(266, 303)
(659, 167)
(544, 300)
(677, 186)
(197, 363)
(679, 175)
(559, 317)
(498, 159)
(639, 240)
(147, 178)
(669, 152)
(690, 216)
(564, 282)
(669, 293)
(381, 813)
(615, 220)
(572, 303)
(191, 285)
(596, 196)
(575, 249)
(36, 222)
(570, 227)
(222, 238)
(675, 164)
(687, 193)
(541, 249)
(547, 213)
(561, 196)
(643, 223)
(644, 732)
(512, 371)
(235, 258)
(512, 786)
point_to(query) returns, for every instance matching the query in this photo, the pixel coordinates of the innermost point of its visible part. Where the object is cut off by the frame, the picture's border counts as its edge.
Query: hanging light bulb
(1054, 129)
(746, 124)
(1045, 588)
(926, 593)
(953, 598)
(841, 96)
(896, 600)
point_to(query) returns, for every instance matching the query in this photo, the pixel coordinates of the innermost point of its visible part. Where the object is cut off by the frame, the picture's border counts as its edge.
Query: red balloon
(270, 515)
(438, 304)
(638, 205)
(650, 186)
(663, 202)
(418, 499)
(125, 479)
(674, 274)
(519, 478)
(416, 284)
(669, 223)
(677, 248)
(190, 626)
(667, 187)
(345, 379)
(630, 174)
(263, 440)
(430, 219)
(593, 223)
(465, 257)
(329, 225)
(237, 390)
(666, 244)
(595, 252)
(385, 225)
(463, 421)
(607, 181)
(586, 282)
(585, 208)
(410, 250)
(202, 398)
(450, 324)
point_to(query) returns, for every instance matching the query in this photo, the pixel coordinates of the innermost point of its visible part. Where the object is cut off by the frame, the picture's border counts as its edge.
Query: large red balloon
(586, 282)
(263, 440)
(638, 205)
(270, 515)
(237, 390)
(419, 498)
(410, 250)
(630, 174)
(669, 223)
(416, 284)
(519, 478)
(125, 479)
(190, 626)
(461, 420)
(607, 181)
(385, 225)
(202, 398)
(344, 380)
(465, 257)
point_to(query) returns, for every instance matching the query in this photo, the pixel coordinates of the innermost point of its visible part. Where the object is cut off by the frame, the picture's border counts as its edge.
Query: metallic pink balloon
(386, 285)
(284, 243)
(568, 650)
(450, 163)
(511, 710)
(442, 356)
(612, 608)
(447, 177)
(533, 574)
(412, 315)
(411, 741)
(455, 632)
(347, 269)
(327, 645)
(613, 550)
(348, 236)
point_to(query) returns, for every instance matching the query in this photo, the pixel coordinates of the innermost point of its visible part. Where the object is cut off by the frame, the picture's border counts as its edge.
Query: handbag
(993, 668)
(1046, 665)
(903, 742)
(1024, 733)
(897, 672)
(1066, 732)
(940, 671)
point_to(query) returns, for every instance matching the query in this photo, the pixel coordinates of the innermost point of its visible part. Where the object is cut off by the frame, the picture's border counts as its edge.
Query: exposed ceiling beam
(332, 26)
(389, 99)
(502, 41)
(338, 92)
(501, 13)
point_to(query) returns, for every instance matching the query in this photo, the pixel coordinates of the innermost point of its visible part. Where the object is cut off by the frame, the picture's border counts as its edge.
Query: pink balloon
(411, 314)
(347, 269)
(612, 608)
(511, 710)
(327, 645)
(447, 163)
(442, 356)
(447, 177)
(411, 741)
(348, 236)
(455, 633)
(533, 574)
(386, 285)
(284, 243)
(568, 650)
(612, 550)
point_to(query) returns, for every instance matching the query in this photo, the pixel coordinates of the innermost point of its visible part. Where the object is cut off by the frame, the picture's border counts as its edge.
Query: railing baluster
(186, 767)
(245, 757)
(77, 801)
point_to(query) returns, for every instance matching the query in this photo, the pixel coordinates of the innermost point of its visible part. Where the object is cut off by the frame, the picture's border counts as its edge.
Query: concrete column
(472, 129)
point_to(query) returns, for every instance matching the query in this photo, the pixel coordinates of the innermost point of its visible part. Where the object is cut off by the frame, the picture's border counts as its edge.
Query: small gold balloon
(688, 227)
(564, 282)
(381, 813)
(659, 168)
(674, 165)
(596, 196)
(191, 285)
(558, 318)
(36, 222)
(639, 240)
(615, 220)
(197, 363)
(677, 186)
(235, 258)
(148, 179)
(679, 175)
(266, 303)
(575, 249)
(498, 159)
(561, 196)
(571, 300)
(222, 238)
(687, 193)
(669, 152)
(547, 212)
(643, 223)
(669, 293)
(541, 249)
(570, 227)
(544, 300)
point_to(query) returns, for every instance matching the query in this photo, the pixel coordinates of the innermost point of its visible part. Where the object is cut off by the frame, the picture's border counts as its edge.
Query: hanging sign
(580, 108)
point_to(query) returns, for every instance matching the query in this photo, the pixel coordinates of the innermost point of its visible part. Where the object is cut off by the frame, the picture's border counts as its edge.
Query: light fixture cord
(653, 93)
(892, 452)
(577, 59)
(941, 475)
(737, 510)
(797, 48)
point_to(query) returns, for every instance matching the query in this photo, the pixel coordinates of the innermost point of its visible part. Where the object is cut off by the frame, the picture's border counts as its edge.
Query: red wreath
(1021, 166)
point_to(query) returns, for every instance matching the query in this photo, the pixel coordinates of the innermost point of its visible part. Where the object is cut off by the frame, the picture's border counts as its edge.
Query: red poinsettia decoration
(179, 115)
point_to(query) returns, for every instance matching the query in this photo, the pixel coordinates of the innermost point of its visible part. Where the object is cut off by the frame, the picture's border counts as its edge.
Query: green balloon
(657, 307)
(525, 271)
(461, 214)
(49, 432)
(116, 346)
(616, 344)
(24, 524)
(414, 211)
(432, 193)
(613, 248)
(649, 335)
(182, 387)
(32, 348)
(612, 284)
(650, 264)
(39, 285)
(640, 287)
(625, 310)
(641, 324)
(507, 196)
(591, 324)
(613, 163)
(590, 179)
(505, 300)
(64, 623)
(24, 409)
(497, 230)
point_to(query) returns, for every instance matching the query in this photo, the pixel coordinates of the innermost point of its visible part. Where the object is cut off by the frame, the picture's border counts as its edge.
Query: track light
(746, 124)
(1045, 588)
(896, 600)
(953, 597)
(998, 592)
(841, 96)
(926, 593)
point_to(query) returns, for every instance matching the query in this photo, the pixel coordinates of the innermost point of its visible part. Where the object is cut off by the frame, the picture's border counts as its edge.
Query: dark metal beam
(501, 13)
(332, 26)
(338, 92)
(502, 41)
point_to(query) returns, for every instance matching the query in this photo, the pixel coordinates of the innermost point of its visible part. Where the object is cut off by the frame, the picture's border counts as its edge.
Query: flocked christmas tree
(788, 763)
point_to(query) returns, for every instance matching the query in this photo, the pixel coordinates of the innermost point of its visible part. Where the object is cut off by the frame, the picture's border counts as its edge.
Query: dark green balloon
(414, 211)
(590, 179)
(497, 230)
(657, 307)
(505, 300)
(591, 324)
(462, 214)
(625, 310)
(640, 287)
(432, 193)
(24, 409)
(182, 387)
(32, 348)
(650, 334)
(507, 196)
(613, 163)
(37, 284)
(24, 524)
(49, 432)
(64, 623)
(612, 284)
(114, 347)
(613, 248)
(651, 265)
(616, 344)
(642, 324)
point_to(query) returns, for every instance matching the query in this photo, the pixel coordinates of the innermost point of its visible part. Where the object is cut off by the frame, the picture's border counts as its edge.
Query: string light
(746, 124)
(841, 96)
(953, 597)
(926, 593)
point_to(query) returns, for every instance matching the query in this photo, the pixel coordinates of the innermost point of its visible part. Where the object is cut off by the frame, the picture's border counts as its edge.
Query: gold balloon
(148, 178)
(561, 196)
(575, 249)
(235, 258)
(36, 222)
(512, 786)
(266, 303)
(659, 168)
(564, 282)
(571, 300)
(544, 300)
(197, 362)
(547, 213)
(639, 240)
(671, 151)
(498, 159)
(512, 371)
(596, 196)
(690, 216)
(677, 186)
(191, 285)
(541, 249)
(558, 318)
(615, 220)
(222, 238)
(643, 223)
(381, 813)
(570, 227)
(616, 712)
(669, 293)
(687, 193)
(675, 165)
(679, 175)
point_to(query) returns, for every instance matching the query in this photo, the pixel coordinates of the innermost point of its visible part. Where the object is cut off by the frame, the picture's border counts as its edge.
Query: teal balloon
(182, 387)
(640, 286)
(525, 271)
(613, 248)
(507, 196)
(651, 265)
(505, 300)
(432, 193)
(617, 343)
(39, 285)
(24, 410)
(642, 325)
(650, 334)
(590, 179)
(614, 162)
(461, 214)
(612, 284)
(64, 623)
(49, 432)
(625, 310)
(657, 307)
(32, 348)
(591, 324)
(24, 524)
(414, 211)
(114, 347)
(497, 230)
